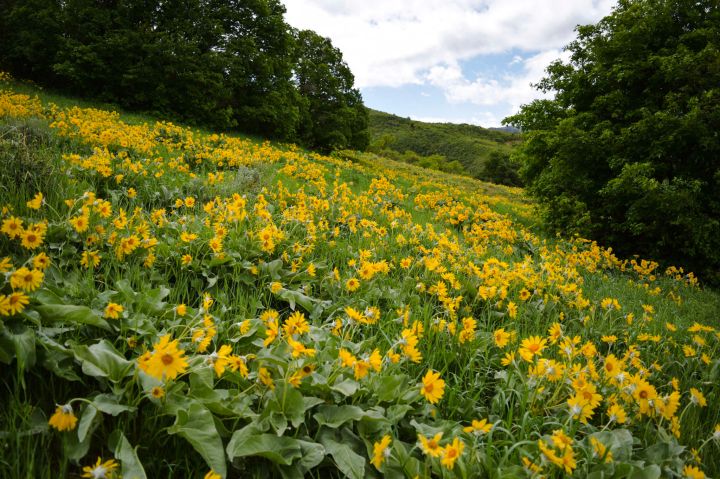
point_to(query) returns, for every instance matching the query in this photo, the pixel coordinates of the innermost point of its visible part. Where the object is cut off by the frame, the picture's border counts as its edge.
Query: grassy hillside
(468, 144)
(177, 303)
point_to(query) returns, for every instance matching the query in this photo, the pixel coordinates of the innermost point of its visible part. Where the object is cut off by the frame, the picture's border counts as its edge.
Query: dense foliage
(466, 148)
(218, 63)
(336, 117)
(176, 303)
(628, 151)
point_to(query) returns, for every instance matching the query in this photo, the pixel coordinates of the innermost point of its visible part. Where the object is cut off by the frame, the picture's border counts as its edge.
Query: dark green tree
(628, 151)
(335, 117)
(30, 32)
(500, 168)
(258, 51)
(147, 54)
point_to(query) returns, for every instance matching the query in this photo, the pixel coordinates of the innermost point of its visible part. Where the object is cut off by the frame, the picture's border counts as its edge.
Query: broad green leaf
(23, 342)
(395, 413)
(102, 360)
(664, 452)
(335, 416)
(71, 314)
(86, 421)
(348, 461)
(75, 450)
(279, 422)
(219, 401)
(272, 269)
(196, 425)
(46, 296)
(346, 387)
(123, 286)
(652, 471)
(292, 403)
(387, 387)
(218, 261)
(202, 380)
(619, 442)
(293, 297)
(109, 404)
(247, 442)
(151, 301)
(312, 454)
(7, 349)
(60, 363)
(132, 468)
(311, 401)
(293, 471)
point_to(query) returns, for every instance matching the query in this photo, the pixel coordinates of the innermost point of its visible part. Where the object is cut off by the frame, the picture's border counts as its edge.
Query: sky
(458, 61)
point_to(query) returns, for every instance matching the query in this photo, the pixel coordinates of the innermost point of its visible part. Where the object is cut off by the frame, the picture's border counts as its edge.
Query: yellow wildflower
(101, 470)
(64, 418)
(433, 387)
(381, 451)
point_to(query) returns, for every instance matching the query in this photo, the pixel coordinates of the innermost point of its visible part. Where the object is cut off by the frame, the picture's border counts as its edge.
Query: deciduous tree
(628, 151)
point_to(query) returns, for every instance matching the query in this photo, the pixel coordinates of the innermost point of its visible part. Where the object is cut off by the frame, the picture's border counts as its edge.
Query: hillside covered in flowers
(176, 303)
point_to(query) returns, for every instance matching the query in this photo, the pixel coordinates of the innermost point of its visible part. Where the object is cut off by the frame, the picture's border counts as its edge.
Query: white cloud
(510, 90)
(392, 43)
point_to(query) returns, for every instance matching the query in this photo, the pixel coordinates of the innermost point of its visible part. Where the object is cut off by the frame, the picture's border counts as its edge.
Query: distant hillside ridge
(466, 149)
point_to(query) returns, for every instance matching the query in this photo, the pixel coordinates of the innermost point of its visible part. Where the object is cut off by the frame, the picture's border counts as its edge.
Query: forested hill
(469, 145)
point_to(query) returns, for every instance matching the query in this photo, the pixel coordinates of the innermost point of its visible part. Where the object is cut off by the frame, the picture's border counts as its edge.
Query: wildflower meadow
(179, 303)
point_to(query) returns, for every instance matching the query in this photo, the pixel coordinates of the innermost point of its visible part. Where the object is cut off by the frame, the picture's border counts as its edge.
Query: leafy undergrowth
(182, 304)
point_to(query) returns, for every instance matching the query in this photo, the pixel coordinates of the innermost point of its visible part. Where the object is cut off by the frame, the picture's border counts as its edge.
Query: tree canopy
(336, 117)
(628, 151)
(217, 63)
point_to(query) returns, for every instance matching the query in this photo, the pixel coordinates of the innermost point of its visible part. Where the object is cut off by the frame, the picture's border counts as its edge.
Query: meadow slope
(177, 303)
